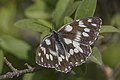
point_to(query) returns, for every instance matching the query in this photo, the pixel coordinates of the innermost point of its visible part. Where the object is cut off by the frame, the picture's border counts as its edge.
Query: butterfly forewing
(83, 30)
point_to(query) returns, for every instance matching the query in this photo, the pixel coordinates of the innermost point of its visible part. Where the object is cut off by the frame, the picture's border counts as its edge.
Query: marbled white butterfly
(70, 45)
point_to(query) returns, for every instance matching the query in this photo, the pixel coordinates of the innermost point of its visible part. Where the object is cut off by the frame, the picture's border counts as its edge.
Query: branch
(108, 72)
(16, 72)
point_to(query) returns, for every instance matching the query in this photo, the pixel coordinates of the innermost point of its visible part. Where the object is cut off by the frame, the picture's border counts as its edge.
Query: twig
(10, 65)
(108, 72)
(16, 72)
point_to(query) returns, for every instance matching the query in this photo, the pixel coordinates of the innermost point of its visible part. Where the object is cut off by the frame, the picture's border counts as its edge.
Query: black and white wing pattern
(46, 53)
(84, 30)
(77, 53)
(70, 45)
(47, 56)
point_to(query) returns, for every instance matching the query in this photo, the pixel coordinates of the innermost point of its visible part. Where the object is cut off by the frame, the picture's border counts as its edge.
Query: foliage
(17, 32)
(1, 60)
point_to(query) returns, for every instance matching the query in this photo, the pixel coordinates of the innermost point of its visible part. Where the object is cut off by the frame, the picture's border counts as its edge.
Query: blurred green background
(23, 24)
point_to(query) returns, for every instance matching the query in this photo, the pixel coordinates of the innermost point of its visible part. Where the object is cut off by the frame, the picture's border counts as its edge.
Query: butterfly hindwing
(77, 53)
(43, 54)
(48, 55)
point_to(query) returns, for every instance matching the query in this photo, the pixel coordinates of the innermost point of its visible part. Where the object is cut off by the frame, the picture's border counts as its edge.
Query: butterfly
(69, 46)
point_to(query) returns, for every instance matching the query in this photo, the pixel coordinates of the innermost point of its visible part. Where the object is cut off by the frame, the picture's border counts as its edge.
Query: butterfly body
(58, 42)
(70, 45)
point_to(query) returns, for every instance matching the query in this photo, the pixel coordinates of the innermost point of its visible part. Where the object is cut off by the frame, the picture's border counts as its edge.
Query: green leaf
(1, 60)
(36, 25)
(28, 76)
(108, 28)
(67, 20)
(100, 37)
(61, 11)
(96, 56)
(15, 46)
(72, 8)
(37, 10)
(116, 20)
(111, 54)
(7, 13)
(86, 9)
